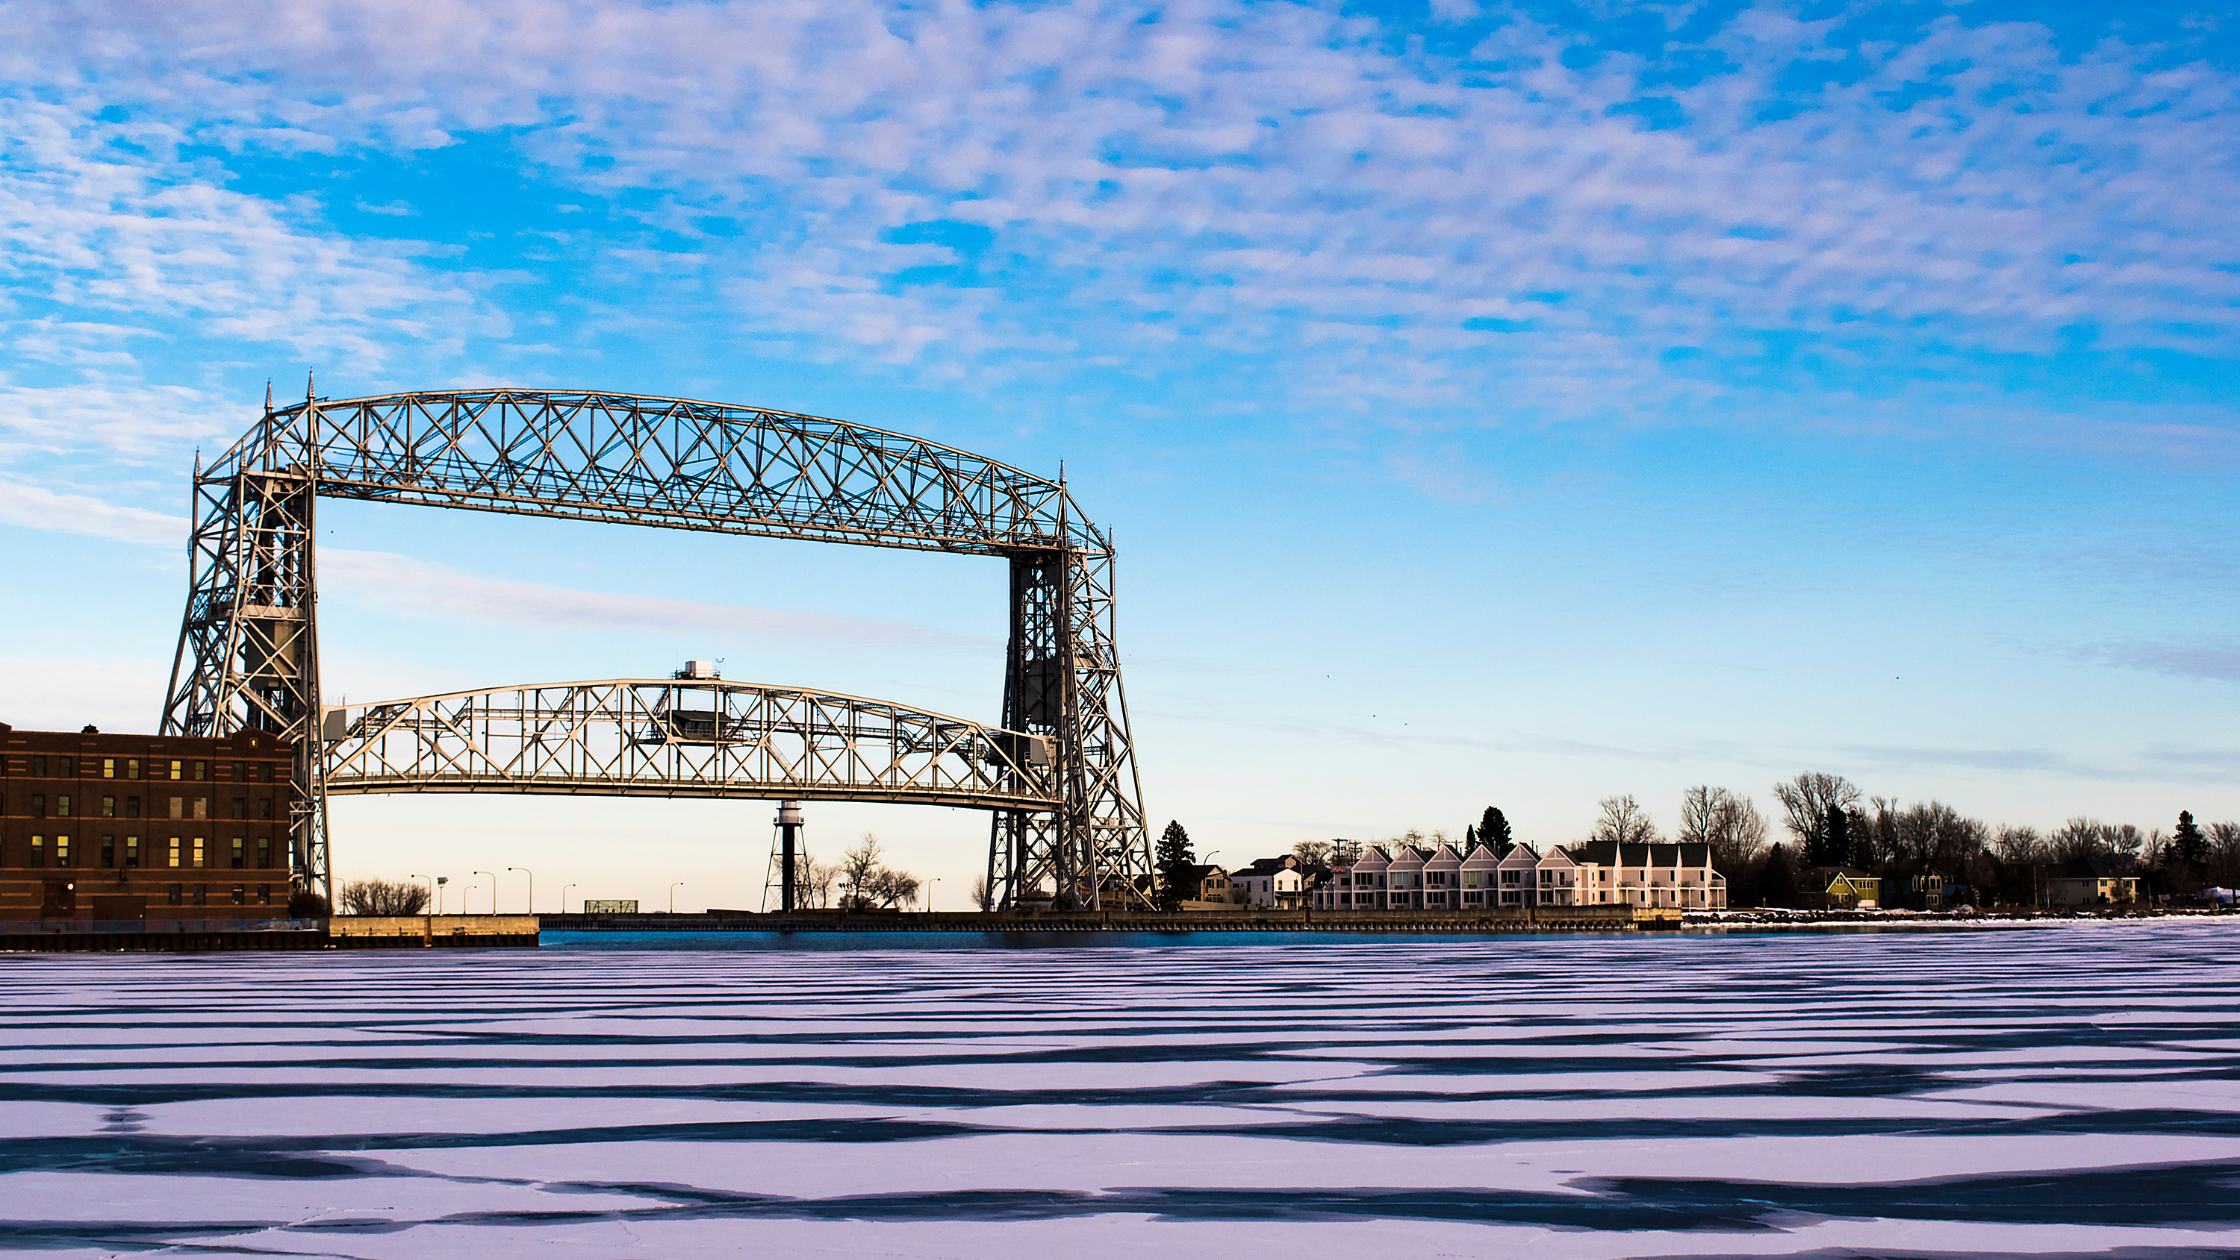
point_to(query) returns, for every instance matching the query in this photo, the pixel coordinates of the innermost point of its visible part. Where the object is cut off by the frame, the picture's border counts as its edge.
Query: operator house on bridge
(119, 827)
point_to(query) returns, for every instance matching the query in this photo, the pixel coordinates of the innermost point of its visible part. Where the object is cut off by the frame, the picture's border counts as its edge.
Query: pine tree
(1175, 863)
(1833, 847)
(2187, 843)
(1493, 832)
(1777, 883)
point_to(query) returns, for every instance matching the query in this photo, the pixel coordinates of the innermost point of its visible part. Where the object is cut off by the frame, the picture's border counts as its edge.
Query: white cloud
(36, 507)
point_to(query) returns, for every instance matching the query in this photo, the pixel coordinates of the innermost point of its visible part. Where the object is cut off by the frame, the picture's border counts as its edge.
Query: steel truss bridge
(683, 737)
(1069, 834)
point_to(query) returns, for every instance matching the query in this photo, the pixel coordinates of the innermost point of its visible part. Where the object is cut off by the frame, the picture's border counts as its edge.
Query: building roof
(1266, 866)
(1610, 853)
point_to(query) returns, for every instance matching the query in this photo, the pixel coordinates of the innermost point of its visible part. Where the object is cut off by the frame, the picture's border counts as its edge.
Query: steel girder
(679, 737)
(247, 646)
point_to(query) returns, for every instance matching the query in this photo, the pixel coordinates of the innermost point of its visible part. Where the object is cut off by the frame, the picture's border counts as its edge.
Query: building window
(176, 889)
(240, 772)
(38, 804)
(240, 894)
(264, 853)
(62, 850)
(237, 856)
(202, 894)
(62, 807)
(202, 807)
(38, 767)
(108, 852)
(201, 771)
(132, 807)
(198, 853)
(175, 769)
(108, 767)
(69, 767)
(132, 852)
(264, 772)
(174, 862)
(264, 808)
(264, 894)
(132, 767)
(38, 851)
(108, 807)
(240, 807)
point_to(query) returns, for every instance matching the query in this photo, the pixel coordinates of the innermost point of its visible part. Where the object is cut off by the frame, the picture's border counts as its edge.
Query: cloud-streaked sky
(1494, 403)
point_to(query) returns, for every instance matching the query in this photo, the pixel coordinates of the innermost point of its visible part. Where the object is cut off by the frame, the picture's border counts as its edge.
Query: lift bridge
(1058, 774)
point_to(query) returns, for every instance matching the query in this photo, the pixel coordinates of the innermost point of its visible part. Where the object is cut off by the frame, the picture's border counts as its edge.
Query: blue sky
(1493, 404)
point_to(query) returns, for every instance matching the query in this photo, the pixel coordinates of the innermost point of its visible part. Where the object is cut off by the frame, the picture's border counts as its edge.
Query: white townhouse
(1274, 883)
(1600, 873)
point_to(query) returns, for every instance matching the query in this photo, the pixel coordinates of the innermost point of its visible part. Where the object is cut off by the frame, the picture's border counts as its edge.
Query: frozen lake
(2060, 1090)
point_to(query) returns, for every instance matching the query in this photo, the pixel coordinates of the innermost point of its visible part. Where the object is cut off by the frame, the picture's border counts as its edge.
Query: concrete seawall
(1547, 919)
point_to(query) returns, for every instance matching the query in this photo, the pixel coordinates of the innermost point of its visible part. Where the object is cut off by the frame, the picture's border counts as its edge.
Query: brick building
(111, 827)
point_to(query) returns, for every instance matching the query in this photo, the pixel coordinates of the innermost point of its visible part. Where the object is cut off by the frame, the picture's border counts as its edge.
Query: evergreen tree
(1493, 832)
(2187, 844)
(1777, 883)
(1832, 846)
(1175, 863)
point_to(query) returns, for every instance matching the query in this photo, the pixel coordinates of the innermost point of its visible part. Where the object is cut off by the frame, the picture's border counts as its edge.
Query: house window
(108, 807)
(108, 852)
(237, 855)
(176, 889)
(38, 851)
(198, 852)
(131, 852)
(132, 807)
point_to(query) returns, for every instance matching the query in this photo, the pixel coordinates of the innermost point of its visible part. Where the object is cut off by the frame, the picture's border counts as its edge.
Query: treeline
(1924, 853)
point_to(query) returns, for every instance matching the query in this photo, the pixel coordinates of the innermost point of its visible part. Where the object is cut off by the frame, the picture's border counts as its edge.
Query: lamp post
(431, 890)
(532, 885)
(493, 892)
(441, 880)
(564, 897)
(929, 893)
(673, 895)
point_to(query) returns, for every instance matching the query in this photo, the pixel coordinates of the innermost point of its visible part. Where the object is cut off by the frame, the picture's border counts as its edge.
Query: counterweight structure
(248, 645)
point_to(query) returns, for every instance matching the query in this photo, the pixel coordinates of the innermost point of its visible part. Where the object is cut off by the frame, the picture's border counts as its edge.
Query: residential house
(1274, 883)
(1839, 888)
(2092, 881)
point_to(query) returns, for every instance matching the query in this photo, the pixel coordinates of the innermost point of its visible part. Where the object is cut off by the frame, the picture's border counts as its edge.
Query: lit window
(132, 767)
(201, 771)
(237, 856)
(174, 769)
(108, 807)
(131, 852)
(240, 894)
(62, 850)
(174, 855)
(38, 850)
(108, 767)
(62, 807)
(198, 852)
(264, 894)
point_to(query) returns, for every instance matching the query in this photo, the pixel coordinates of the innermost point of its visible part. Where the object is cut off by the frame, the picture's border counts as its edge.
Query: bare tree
(2080, 837)
(1312, 853)
(981, 897)
(2019, 846)
(383, 897)
(2224, 853)
(1344, 851)
(857, 866)
(892, 890)
(815, 885)
(1808, 798)
(1729, 823)
(1624, 821)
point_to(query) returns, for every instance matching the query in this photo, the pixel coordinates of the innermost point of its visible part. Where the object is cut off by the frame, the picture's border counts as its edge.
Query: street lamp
(564, 897)
(431, 890)
(493, 893)
(673, 895)
(929, 894)
(532, 885)
(441, 880)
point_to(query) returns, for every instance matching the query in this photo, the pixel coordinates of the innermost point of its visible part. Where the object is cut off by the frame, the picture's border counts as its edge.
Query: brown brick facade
(96, 826)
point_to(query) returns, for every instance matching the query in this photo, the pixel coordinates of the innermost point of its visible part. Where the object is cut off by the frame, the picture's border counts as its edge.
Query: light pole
(564, 897)
(431, 890)
(441, 880)
(493, 892)
(673, 895)
(929, 894)
(532, 885)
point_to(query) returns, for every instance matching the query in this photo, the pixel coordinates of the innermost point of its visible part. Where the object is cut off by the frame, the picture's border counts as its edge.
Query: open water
(2056, 1091)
